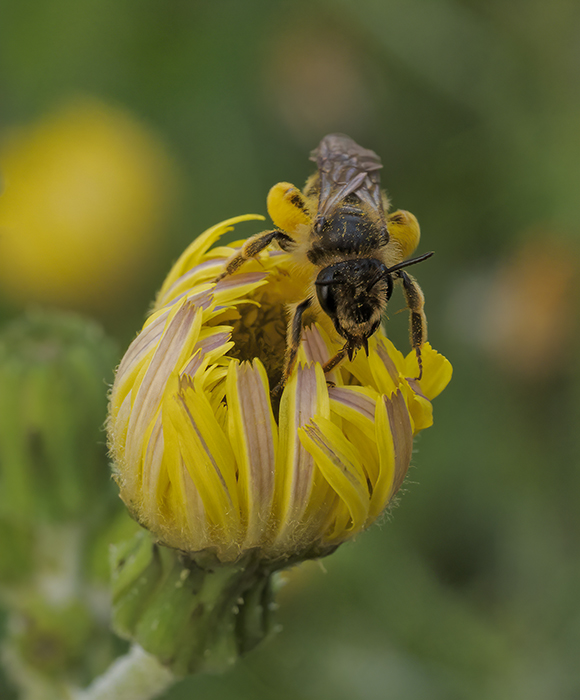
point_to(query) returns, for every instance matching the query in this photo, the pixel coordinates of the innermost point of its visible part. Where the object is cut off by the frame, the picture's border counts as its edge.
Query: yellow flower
(203, 458)
(86, 194)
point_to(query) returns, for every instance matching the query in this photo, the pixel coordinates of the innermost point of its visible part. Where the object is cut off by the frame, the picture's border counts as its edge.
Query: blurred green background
(164, 118)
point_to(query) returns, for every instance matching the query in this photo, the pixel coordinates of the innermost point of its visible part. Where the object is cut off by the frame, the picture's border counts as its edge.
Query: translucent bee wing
(346, 168)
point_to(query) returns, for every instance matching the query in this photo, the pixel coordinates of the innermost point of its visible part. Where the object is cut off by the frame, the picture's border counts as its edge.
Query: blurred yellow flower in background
(204, 458)
(86, 194)
(528, 328)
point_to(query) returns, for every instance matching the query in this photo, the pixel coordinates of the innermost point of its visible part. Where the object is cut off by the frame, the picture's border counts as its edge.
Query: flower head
(79, 188)
(203, 458)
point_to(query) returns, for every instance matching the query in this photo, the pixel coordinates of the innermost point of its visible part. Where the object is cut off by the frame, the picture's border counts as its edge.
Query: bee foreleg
(293, 343)
(252, 247)
(340, 355)
(415, 303)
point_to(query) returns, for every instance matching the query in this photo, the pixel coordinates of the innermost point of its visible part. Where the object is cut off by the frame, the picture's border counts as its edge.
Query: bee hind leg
(415, 302)
(252, 247)
(404, 232)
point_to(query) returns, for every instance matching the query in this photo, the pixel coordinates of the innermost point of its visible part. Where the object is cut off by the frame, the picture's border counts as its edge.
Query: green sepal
(193, 614)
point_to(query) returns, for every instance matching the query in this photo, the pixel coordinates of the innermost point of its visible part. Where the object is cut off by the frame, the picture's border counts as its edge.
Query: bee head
(354, 293)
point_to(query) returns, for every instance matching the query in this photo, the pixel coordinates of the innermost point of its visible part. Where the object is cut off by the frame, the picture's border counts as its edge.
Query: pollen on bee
(287, 208)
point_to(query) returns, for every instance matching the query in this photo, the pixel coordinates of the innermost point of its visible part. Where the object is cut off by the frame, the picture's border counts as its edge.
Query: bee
(339, 228)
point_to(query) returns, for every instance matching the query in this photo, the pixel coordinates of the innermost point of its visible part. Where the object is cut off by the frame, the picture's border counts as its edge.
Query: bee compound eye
(326, 298)
(389, 286)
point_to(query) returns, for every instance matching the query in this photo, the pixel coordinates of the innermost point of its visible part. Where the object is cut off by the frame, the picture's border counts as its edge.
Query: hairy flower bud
(53, 369)
(203, 459)
(214, 469)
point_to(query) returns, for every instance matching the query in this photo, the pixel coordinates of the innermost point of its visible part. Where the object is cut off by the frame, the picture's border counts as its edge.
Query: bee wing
(346, 168)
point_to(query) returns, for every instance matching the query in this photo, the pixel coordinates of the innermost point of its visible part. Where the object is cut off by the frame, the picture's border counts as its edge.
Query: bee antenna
(379, 274)
(412, 261)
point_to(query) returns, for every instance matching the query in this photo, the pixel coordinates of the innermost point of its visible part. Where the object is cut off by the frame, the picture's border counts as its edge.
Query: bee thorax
(349, 232)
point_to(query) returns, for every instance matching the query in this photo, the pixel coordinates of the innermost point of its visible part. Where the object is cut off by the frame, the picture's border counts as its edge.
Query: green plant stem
(135, 676)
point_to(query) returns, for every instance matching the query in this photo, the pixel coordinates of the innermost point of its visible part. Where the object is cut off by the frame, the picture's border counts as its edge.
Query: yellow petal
(395, 440)
(356, 405)
(238, 286)
(185, 523)
(254, 437)
(207, 455)
(316, 347)
(420, 409)
(437, 371)
(180, 334)
(192, 255)
(384, 370)
(305, 396)
(340, 464)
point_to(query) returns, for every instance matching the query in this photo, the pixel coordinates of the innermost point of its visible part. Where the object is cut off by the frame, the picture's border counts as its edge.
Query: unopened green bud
(192, 614)
(53, 638)
(16, 560)
(53, 373)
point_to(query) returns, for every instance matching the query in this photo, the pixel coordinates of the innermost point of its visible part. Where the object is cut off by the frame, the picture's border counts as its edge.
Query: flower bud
(53, 368)
(240, 485)
(207, 463)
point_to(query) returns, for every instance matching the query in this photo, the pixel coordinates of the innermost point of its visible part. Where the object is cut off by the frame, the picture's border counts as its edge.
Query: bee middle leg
(415, 302)
(293, 343)
(252, 247)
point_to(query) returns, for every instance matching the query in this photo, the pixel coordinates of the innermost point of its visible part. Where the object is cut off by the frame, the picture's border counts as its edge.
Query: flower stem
(135, 676)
